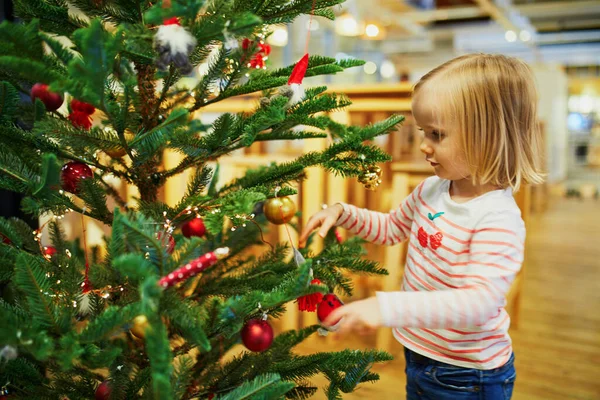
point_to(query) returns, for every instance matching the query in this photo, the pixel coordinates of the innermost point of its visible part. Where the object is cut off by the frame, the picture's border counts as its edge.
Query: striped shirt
(461, 261)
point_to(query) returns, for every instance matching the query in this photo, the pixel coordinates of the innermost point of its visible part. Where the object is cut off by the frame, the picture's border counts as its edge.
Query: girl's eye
(436, 135)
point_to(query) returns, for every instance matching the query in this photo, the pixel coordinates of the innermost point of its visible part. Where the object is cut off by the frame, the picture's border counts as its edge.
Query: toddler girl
(465, 231)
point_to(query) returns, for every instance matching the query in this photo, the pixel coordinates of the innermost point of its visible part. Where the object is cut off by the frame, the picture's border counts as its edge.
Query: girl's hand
(361, 316)
(325, 219)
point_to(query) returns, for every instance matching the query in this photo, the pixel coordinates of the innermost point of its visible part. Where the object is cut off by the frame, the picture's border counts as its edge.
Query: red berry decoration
(169, 243)
(51, 100)
(49, 251)
(422, 237)
(257, 62)
(436, 240)
(330, 302)
(72, 173)
(103, 391)
(194, 227)
(257, 335)
(264, 48)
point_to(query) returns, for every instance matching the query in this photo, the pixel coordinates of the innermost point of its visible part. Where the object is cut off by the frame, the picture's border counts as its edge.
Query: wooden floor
(557, 343)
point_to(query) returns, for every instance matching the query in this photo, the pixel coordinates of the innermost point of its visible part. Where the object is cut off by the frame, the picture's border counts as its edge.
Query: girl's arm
(380, 228)
(479, 287)
(477, 293)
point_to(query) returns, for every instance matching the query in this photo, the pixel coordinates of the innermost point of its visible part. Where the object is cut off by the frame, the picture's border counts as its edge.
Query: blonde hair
(491, 100)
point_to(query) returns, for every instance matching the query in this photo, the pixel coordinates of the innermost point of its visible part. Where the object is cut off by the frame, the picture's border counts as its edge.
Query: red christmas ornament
(81, 114)
(49, 251)
(310, 301)
(194, 227)
(72, 173)
(51, 100)
(168, 243)
(83, 107)
(297, 75)
(294, 90)
(80, 120)
(257, 335)
(103, 391)
(330, 302)
(192, 268)
(5, 240)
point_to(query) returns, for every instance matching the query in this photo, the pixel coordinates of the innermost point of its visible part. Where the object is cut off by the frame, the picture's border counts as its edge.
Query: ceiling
(426, 31)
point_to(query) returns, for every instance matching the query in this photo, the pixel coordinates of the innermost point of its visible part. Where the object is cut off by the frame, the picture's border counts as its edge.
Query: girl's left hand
(361, 316)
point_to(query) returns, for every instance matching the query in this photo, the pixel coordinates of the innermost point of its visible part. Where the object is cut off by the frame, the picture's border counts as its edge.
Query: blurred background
(555, 302)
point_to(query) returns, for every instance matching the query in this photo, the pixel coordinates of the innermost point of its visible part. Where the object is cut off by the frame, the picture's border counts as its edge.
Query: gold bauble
(279, 210)
(119, 152)
(371, 177)
(140, 324)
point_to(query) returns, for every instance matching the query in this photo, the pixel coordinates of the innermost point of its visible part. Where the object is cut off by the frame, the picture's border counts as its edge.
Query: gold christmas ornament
(371, 177)
(140, 324)
(119, 152)
(279, 210)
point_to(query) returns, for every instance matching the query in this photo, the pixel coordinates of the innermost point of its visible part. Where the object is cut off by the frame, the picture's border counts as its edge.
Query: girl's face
(442, 148)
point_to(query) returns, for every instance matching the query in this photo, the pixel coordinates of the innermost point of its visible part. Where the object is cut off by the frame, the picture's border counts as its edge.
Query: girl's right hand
(325, 219)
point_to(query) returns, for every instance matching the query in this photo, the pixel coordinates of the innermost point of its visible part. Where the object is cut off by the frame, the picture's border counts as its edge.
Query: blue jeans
(427, 379)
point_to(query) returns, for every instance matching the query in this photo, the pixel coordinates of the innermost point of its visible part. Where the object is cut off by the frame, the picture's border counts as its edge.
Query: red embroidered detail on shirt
(435, 240)
(422, 237)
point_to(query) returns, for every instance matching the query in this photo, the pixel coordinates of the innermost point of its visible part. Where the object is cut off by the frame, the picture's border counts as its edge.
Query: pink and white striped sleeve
(380, 228)
(469, 293)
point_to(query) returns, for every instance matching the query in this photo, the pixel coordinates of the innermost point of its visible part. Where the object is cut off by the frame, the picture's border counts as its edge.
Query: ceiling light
(525, 36)
(370, 68)
(510, 36)
(279, 37)
(346, 25)
(388, 69)
(372, 30)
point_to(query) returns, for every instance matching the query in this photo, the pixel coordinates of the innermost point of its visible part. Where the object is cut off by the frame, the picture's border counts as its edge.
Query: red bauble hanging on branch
(257, 335)
(49, 252)
(51, 100)
(330, 302)
(5, 240)
(72, 173)
(194, 227)
(103, 391)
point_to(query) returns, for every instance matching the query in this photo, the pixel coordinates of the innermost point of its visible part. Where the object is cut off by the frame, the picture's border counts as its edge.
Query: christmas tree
(175, 288)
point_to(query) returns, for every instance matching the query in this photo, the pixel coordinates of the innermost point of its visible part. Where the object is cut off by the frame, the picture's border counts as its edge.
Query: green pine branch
(30, 278)
(53, 17)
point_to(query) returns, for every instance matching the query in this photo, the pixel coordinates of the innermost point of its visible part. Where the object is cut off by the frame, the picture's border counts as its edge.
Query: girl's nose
(426, 148)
